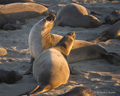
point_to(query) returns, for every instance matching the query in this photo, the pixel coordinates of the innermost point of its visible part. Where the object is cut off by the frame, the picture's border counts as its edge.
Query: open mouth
(51, 17)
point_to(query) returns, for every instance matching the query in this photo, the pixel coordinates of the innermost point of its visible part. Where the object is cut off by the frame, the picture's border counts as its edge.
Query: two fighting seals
(51, 69)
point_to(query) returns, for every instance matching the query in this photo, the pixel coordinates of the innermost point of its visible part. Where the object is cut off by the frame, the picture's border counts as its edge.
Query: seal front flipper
(29, 70)
(112, 58)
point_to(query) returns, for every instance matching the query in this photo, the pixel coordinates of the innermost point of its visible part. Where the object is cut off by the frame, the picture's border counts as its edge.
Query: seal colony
(75, 15)
(21, 12)
(51, 69)
(40, 40)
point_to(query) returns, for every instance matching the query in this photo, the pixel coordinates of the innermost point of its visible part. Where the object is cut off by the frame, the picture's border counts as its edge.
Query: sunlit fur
(51, 69)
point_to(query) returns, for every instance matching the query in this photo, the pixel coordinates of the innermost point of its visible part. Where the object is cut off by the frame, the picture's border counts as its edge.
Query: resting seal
(111, 33)
(21, 12)
(113, 17)
(9, 77)
(18, 1)
(40, 39)
(79, 91)
(51, 69)
(75, 15)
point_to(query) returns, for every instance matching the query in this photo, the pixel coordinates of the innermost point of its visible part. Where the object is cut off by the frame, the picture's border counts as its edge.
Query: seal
(51, 69)
(113, 17)
(40, 39)
(79, 91)
(16, 1)
(75, 15)
(12, 25)
(3, 51)
(111, 33)
(9, 77)
(21, 12)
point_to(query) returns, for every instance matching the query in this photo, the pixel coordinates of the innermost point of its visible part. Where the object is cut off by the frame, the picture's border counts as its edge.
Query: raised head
(49, 21)
(66, 43)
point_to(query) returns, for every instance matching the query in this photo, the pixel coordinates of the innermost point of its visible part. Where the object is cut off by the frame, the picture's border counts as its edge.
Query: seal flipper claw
(112, 58)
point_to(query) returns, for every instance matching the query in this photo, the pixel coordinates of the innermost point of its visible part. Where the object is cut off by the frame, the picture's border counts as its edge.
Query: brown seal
(21, 12)
(113, 17)
(75, 15)
(51, 69)
(111, 33)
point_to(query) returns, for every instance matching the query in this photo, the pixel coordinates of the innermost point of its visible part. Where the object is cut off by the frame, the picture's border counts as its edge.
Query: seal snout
(72, 34)
(51, 17)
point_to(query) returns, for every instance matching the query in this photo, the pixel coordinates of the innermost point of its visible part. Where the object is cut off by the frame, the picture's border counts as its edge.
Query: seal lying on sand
(9, 77)
(113, 17)
(40, 39)
(51, 69)
(111, 33)
(21, 12)
(79, 91)
(75, 15)
(18, 1)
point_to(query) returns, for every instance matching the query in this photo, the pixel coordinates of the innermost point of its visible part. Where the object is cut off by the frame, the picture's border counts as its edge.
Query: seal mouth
(51, 17)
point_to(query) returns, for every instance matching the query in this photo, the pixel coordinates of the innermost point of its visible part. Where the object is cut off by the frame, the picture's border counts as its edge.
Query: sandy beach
(99, 75)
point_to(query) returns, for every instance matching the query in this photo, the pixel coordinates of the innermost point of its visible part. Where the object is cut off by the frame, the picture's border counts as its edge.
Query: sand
(102, 77)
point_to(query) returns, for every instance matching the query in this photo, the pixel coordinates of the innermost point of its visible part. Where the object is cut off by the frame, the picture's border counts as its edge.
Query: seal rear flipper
(40, 89)
(112, 58)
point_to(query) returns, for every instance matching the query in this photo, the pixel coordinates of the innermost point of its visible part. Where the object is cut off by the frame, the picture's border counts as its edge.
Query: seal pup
(21, 12)
(111, 33)
(18, 1)
(75, 15)
(41, 39)
(79, 91)
(113, 17)
(51, 69)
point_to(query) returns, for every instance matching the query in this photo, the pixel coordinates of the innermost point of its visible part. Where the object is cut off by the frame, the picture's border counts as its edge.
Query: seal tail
(112, 58)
